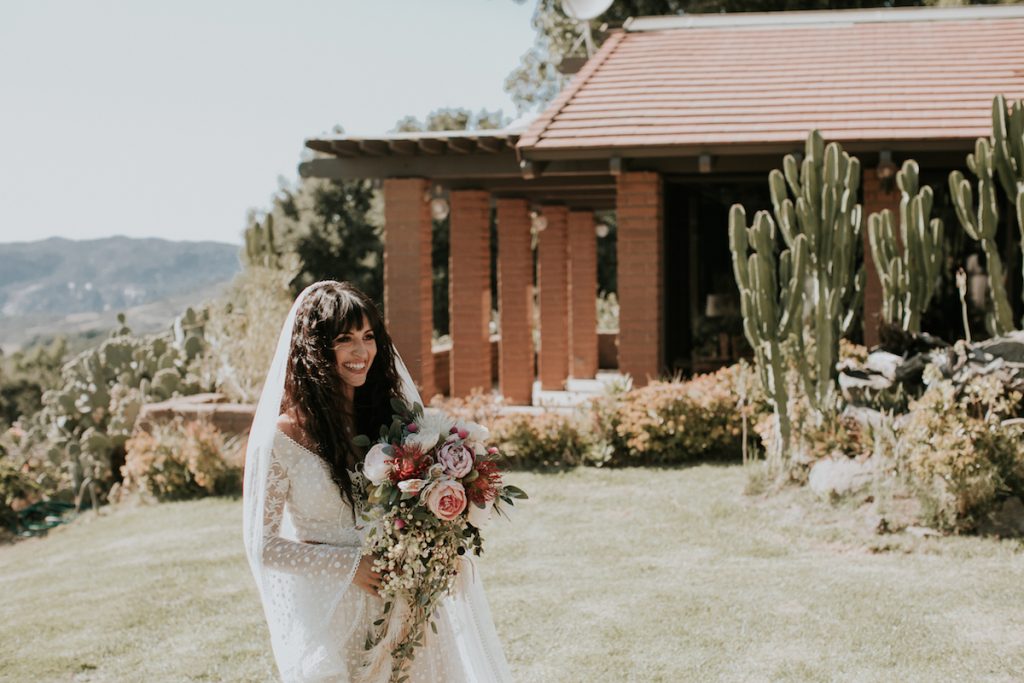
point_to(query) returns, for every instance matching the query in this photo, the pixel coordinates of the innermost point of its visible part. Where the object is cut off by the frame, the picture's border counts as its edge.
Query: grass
(627, 575)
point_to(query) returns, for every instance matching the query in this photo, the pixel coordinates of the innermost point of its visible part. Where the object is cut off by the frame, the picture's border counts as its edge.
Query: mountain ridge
(62, 285)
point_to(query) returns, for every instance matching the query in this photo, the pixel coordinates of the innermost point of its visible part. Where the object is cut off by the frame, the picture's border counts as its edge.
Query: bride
(333, 377)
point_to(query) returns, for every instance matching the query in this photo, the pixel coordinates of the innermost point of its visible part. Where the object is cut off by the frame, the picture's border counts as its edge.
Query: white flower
(433, 424)
(377, 464)
(412, 486)
(424, 438)
(480, 516)
(477, 432)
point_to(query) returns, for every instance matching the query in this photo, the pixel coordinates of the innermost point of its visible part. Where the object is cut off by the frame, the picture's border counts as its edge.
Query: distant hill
(70, 286)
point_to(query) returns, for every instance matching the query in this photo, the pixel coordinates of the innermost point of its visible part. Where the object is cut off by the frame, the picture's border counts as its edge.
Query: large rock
(839, 475)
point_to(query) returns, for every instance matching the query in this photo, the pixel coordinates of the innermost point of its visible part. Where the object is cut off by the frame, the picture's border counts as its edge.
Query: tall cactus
(981, 224)
(826, 213)
(908, 278)
(771, 299)
(1008, 154)
(260, 244)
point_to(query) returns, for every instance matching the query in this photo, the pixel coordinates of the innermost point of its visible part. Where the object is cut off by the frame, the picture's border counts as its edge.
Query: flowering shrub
(26, 476)
(180, 460)
(546, 441)
(960, 456)
(675, 421)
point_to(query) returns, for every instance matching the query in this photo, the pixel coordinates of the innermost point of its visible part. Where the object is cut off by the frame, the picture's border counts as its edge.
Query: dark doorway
(703, 326)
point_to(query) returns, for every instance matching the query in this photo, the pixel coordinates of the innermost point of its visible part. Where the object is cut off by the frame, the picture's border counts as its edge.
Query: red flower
(485, 487)
(409, 462)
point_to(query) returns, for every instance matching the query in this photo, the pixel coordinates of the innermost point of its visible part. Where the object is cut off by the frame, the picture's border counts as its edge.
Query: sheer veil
(293, 627)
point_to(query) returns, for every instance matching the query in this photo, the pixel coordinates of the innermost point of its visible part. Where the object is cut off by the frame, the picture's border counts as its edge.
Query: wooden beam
(345, 148)
(402, 147)
(491, 145)
(374, 148)
(477, 168)
(432, 147)
(462, 145)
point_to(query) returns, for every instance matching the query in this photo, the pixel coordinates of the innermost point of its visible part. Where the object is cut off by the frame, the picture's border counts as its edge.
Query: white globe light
(602, 230)
(439, 208)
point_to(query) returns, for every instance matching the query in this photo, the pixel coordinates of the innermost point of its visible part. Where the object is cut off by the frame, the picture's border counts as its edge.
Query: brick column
(582, 295)
(469, 291)
(553, 283)
(875, 200)
(408, 303)
(640, 213)
(515, 301)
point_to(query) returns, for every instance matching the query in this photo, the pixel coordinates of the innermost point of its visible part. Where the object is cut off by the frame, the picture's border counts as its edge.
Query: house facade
(671, 122)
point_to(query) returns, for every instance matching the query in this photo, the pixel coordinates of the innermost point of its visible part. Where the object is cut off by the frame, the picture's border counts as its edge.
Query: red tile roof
(713, 81)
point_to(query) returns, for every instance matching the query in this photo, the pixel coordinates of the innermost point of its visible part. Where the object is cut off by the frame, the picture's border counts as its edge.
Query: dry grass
(627, 575)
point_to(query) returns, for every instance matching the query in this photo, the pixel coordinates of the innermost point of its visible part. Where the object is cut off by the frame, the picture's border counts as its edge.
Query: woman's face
(354, 352)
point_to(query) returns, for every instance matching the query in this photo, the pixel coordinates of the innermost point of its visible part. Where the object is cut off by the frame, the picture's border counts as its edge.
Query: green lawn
(628, 575)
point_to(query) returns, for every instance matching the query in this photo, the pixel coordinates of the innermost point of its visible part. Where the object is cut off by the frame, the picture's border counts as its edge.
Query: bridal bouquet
(429, 485)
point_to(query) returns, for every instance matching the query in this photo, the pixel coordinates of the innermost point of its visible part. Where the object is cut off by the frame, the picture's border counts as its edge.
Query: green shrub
(177, 461)
(26, 475)
(958, 453)
(671, 422)
(545, 441)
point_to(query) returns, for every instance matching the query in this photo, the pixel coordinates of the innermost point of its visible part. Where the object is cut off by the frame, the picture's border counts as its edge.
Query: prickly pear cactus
(909, 275)
(89, 417)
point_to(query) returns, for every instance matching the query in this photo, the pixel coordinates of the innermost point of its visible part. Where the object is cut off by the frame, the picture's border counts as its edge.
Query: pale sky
(171, 119)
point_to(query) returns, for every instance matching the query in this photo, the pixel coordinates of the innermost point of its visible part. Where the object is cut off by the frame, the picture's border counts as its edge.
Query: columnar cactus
(261, 246)
(981, 224)
(771, 299)
(1008, 154)
(826, 213)
(909, 277)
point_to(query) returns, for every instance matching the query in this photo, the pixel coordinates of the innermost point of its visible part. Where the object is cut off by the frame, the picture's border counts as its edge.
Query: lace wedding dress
(304, 545)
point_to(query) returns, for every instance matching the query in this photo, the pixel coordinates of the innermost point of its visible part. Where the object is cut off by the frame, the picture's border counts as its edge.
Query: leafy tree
(25, 376)
(536, 81)
(453, 119)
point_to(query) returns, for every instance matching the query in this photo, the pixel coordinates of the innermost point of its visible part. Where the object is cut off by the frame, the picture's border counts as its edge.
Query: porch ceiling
(457, 160)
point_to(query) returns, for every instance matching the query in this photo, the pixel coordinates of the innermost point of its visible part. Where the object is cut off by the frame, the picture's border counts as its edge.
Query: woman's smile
(354, 352)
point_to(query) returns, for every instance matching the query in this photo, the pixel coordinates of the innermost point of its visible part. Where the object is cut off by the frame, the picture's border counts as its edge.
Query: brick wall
(515, 301)
(582, 295)
(552, 281)
(407, 276)
(875, 199)
(640, 214)
(469, 292)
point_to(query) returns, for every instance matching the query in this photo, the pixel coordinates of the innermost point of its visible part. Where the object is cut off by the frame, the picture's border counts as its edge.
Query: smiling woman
(336, 375)
(354, 351)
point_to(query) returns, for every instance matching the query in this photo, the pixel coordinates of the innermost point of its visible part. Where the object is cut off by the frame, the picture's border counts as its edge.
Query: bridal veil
(300, 605)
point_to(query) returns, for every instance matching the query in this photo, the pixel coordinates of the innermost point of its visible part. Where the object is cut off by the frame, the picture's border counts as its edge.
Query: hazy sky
(170, 119)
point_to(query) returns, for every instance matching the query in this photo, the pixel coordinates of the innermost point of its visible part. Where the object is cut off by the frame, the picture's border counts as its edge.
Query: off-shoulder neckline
(296, 443)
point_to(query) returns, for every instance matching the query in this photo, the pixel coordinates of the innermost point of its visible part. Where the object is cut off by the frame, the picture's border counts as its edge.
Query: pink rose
(456, 459)
(446, 499)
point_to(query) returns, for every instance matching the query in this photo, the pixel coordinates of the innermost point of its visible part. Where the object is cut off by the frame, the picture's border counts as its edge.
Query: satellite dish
(583, 11)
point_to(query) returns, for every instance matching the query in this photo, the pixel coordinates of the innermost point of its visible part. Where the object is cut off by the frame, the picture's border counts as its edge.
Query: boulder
(840, 475)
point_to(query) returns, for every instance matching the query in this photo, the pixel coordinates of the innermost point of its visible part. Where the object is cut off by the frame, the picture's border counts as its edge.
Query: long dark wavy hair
(314, 390)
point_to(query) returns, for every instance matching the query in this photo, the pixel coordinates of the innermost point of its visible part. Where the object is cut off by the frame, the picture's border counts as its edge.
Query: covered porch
(670, 123)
